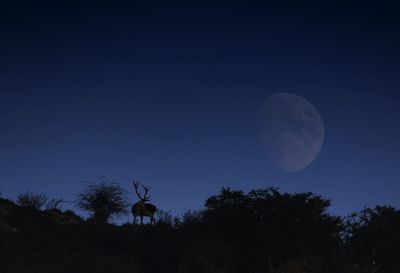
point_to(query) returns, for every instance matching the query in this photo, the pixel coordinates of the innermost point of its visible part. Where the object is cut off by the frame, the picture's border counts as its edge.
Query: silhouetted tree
(32, 200)
(269, 228)
(103, 200)
(260, 231)
(373, 243)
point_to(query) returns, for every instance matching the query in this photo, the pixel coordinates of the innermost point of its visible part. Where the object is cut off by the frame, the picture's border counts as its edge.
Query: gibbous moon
(293, 131)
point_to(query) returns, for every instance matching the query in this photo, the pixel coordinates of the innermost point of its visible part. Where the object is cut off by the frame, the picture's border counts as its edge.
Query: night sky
(171, 95)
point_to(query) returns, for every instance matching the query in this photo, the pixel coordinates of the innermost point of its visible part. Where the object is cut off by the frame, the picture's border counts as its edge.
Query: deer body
(142, 208)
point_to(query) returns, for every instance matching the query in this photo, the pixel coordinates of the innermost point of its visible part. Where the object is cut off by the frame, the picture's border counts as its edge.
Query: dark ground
(261, 231)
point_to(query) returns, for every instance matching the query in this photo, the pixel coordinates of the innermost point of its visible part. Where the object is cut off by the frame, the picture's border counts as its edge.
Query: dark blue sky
(171, 95)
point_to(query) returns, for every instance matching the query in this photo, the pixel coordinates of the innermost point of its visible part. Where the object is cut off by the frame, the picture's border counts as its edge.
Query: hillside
(260, 231)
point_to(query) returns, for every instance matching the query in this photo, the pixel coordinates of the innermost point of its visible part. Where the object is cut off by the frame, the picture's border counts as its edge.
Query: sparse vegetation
(32, 200)
(260, 231)
(166, 218)
(54, 204)
(102, 200)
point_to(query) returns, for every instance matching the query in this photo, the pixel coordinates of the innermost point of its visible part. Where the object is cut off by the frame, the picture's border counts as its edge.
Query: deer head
(145, 197)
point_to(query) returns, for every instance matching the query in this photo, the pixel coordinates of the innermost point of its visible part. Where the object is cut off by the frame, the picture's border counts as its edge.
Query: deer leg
(141, 219)
(134, 220)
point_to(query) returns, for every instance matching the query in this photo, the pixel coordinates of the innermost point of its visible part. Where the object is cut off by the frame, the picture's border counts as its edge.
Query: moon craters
(293, 131)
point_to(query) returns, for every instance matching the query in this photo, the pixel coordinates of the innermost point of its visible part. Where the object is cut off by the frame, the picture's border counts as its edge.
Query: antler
(136, 186)
(145, 198)
(146, 190)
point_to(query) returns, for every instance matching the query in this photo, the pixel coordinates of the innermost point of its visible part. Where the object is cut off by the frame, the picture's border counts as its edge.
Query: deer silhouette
(142, 208)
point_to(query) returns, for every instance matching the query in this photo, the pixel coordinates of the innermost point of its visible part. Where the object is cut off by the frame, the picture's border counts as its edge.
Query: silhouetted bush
(193, 218)
(32, 200)
(102, 200)
(54, 203)
(373, 241)
(236, 232)
(268, 228)
(165, 218)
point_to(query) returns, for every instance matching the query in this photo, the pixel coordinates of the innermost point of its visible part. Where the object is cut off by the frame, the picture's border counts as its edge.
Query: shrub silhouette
(54, 203)
(260, 231)
(374, 239)
(32, 200)
(268, 226)
(102, 200)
